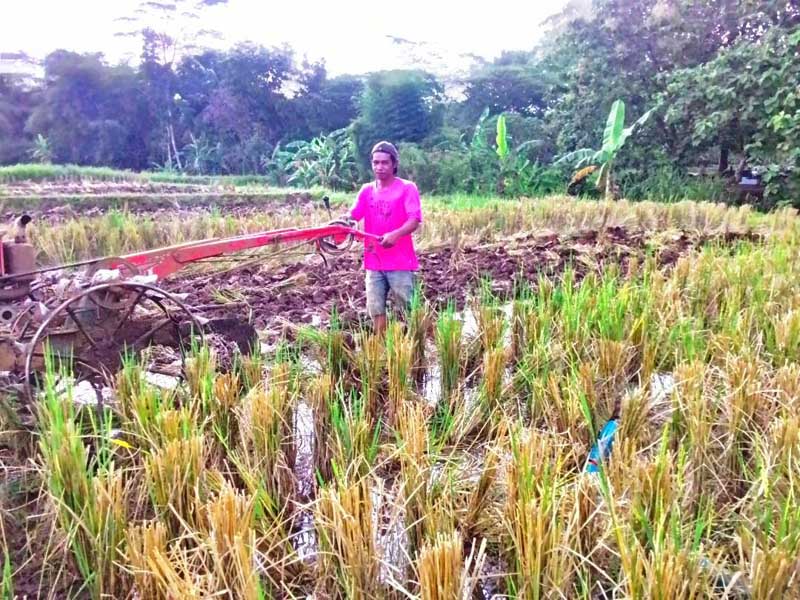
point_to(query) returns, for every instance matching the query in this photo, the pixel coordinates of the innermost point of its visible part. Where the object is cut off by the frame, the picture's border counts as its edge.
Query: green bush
(669, 184)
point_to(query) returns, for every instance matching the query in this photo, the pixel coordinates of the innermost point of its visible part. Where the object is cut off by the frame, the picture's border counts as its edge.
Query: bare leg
(379, 324)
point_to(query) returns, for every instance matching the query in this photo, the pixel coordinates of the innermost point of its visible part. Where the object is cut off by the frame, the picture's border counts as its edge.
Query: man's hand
(390, 239)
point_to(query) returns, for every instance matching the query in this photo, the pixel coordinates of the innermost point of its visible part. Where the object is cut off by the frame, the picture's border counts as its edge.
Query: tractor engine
(17, 258)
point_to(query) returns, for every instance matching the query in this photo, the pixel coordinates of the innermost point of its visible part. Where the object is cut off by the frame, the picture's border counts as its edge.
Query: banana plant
(502, 153)
(327, 160)
(502, 138)
(614, 138)
(513, 164)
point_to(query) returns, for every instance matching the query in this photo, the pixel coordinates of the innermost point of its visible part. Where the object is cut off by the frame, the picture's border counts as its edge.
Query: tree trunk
(609, 185)
(171, 131)
(723, 158)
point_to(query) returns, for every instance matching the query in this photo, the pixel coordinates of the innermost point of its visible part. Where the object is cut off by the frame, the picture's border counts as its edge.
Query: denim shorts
(379, 283)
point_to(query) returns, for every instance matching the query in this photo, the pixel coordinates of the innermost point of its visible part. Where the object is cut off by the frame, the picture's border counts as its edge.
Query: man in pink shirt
(390, 208)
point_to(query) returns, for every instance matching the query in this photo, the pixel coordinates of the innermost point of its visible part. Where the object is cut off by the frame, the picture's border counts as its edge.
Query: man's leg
(377, 286)
(402, 285)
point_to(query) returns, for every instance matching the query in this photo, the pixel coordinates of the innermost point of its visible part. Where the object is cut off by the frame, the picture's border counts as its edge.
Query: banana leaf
(581, 156)
(502, 139)
(628, 131)
(612, 136)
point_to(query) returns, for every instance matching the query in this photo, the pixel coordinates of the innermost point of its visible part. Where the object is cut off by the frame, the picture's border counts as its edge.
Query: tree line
(720, 77)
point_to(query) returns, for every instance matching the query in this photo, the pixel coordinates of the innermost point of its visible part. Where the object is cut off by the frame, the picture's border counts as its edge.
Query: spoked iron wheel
(91, 335)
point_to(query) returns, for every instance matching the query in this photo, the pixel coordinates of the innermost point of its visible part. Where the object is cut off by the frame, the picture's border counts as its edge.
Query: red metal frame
(166, 261)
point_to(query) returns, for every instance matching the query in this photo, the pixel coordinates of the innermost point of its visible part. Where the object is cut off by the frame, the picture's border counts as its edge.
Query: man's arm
(356, 213)
(390, 239)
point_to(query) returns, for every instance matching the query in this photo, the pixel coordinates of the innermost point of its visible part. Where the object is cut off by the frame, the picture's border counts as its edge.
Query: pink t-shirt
(383, 211)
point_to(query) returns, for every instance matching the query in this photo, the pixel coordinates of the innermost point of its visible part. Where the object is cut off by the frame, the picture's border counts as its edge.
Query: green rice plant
(348, 561)
(494, 362)
(415, 470)
(520, 309)
(172, 425)
(371, 361)
(201, 371)
(355, 441)
(572, 302)
(768, 536)
(7, 582)
(90, 508)
(231, 544)
(38, 172)
(336, 348)
(224, 400)
(111, 518)
(399, 365)
(264, 456)
(321, 398)
(140, 404)
(250, 367)
(744, 411)
(541, 532)
(529, 320)
(442, 423)
(563, 406)
(491, 324)
(450, 348)
(444, 490)
(420, 323)
(173, 476)
(696, 417)
(608, 375)
(787, 336)
(443, 571)
(149, 412)
(156, 571)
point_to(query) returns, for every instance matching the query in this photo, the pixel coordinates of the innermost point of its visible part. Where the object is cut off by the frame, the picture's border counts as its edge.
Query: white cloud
(350, 35)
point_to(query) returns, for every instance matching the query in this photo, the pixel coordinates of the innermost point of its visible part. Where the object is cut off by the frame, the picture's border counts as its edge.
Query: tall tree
(515, 82)
(17, 101)
(91, 113)
(631, 46)
(745, 100)
(401, 106)
(170, 30)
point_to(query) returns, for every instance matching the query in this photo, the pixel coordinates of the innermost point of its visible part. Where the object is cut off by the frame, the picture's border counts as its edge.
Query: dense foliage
(719, 75)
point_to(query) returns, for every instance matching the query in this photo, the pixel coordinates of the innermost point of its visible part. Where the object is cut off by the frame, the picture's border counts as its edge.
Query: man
(390, 208)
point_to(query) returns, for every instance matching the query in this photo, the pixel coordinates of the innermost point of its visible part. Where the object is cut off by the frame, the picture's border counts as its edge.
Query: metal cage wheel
(95, 337)
(112, 298)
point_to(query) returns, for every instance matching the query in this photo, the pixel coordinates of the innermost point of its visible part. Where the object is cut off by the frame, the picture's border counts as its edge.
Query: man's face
(382, 165)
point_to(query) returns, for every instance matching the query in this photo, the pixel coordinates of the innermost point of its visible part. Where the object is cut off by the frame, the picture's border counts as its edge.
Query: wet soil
(281, 298)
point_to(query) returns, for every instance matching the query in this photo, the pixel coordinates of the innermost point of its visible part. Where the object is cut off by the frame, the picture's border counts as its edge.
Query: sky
(352, 36)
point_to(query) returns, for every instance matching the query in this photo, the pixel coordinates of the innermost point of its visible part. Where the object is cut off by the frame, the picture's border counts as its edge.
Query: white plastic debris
(84, 394)
(144, 279)
(159, 380)
(105, 276)
(661, 387)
